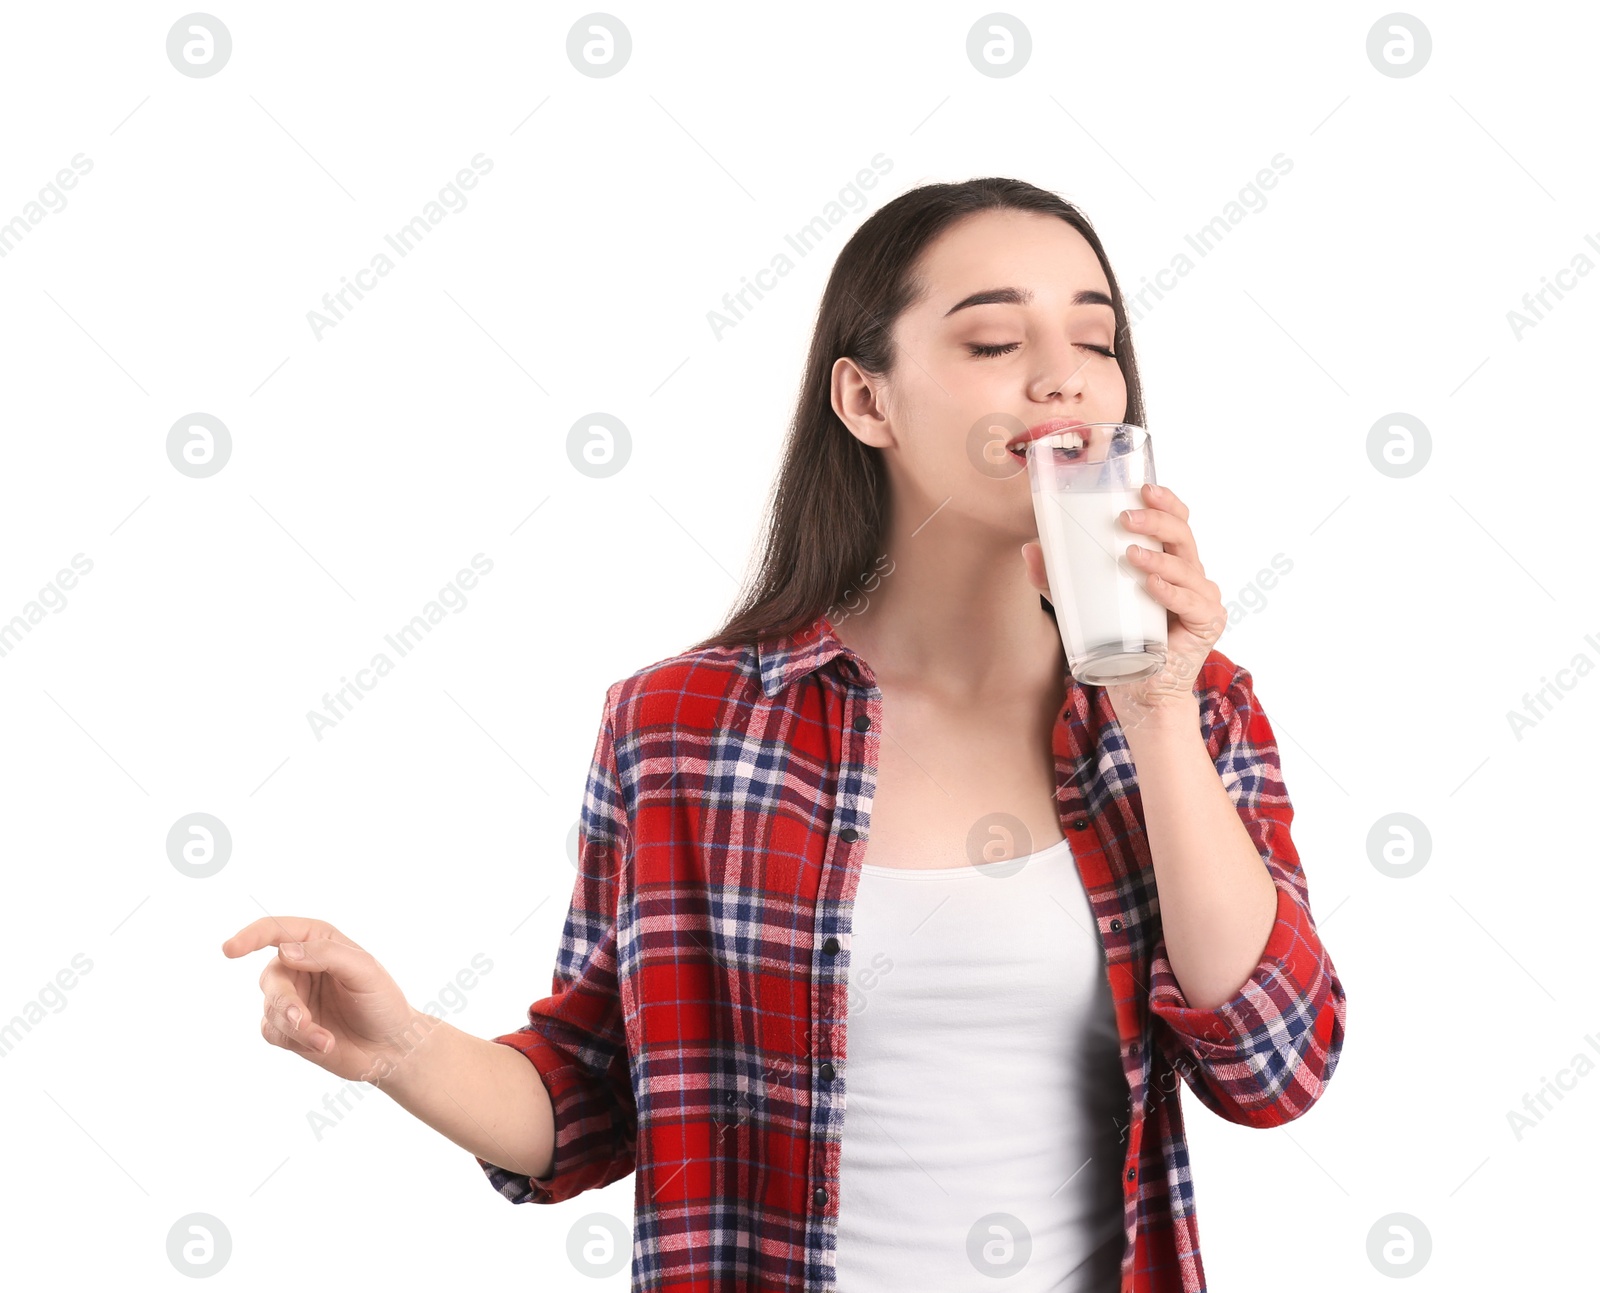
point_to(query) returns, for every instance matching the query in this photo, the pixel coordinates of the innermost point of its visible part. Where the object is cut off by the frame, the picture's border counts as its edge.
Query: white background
(431, 423)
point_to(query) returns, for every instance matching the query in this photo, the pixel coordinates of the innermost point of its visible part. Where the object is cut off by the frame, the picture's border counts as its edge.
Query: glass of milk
(1083, 478)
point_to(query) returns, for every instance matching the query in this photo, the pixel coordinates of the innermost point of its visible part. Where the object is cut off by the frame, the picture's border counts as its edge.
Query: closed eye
(981, 351)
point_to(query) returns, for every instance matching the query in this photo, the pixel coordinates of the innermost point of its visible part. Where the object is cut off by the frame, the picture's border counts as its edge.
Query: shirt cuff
(571, 1100)
(1281, 998)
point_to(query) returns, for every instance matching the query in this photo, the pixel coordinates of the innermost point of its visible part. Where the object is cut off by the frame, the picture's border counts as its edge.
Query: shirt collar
(786, 657)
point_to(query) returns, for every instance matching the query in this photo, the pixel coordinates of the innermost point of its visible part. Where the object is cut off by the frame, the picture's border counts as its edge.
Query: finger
(1197, 612)
(352, 967)
(284, 1007)
(271, 930)
(274, 1034)
(1165, 527)
(1171, 567)
(1033, 562)
(1161, 496)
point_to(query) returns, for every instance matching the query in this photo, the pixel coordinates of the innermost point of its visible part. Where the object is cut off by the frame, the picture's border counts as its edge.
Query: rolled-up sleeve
(1265, 1056)
(576, 1037)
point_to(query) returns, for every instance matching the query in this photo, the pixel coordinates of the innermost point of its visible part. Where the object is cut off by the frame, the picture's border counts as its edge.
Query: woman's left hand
(1195, 614)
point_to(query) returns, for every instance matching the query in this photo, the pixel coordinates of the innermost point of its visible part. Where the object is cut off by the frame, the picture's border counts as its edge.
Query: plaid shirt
(696, 1035)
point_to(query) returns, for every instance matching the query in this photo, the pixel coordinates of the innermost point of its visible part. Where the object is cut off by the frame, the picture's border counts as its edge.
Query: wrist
(405, 1060)
(1170, 722)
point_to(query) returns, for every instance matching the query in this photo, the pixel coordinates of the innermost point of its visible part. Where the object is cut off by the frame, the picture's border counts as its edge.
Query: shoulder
(693, 689)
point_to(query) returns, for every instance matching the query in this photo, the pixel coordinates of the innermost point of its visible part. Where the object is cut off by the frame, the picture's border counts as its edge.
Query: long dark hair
(828, 507)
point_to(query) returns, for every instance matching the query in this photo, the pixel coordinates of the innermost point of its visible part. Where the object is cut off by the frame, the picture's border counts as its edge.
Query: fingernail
(294, 1016)
(292, 951)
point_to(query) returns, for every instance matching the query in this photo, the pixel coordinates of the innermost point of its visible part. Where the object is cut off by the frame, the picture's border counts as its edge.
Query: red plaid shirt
(696, 1036)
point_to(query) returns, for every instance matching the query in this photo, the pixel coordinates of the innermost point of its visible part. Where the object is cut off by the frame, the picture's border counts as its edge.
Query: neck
(957, 616)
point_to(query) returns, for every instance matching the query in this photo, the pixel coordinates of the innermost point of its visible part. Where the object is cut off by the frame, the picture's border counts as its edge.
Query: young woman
(891, 941)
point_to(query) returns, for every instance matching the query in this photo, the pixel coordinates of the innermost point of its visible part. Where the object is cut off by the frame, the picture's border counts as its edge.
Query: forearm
(1218, 902)
(486, 1097)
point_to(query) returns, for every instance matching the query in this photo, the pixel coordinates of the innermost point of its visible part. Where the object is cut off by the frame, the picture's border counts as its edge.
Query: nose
(1061, 375)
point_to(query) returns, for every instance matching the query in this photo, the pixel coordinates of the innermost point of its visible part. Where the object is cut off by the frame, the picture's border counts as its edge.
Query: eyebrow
(1022, 296)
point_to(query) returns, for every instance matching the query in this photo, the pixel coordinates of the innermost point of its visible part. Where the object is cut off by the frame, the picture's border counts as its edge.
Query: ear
(856, 401)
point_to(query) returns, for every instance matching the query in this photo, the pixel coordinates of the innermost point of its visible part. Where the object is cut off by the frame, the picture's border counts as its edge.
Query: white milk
(1097, 592)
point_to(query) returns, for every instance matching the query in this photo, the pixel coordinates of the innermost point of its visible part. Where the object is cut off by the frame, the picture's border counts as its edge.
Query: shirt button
(1132, 1172)
(830, 945)
(1115, 924)
(1133, 1048)
(1081, 824)
(820, 1197)
(849, 834)
(862, 722)
(826, 1071)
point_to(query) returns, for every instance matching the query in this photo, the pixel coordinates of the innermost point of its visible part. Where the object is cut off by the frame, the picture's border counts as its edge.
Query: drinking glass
(1083, 477)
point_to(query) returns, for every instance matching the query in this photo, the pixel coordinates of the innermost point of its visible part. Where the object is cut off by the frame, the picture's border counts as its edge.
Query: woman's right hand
(335, 1005)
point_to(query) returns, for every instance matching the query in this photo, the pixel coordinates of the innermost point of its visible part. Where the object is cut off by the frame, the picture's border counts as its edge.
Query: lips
(1015, 447)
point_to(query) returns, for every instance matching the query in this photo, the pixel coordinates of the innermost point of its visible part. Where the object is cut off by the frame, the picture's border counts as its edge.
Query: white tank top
(983, 1088)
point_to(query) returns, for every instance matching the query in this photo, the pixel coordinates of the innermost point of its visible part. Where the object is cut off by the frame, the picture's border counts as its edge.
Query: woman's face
(971, 372)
